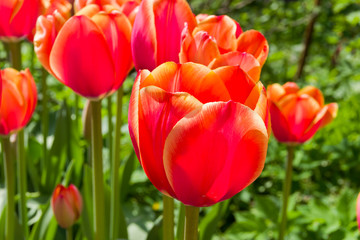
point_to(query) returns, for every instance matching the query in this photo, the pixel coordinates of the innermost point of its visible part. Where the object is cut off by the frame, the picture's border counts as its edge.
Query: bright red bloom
(90, 52)
(296, 114)
(219, 41)
(201, 135)
(66, 204)
(19, 98)
(156, 37)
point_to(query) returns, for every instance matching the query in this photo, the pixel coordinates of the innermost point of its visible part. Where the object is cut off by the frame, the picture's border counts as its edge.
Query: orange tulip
(156, 37)
(66, 204)
(90, 52)
(296, 114)
(219, 41)
(175, 120)
(19, 98)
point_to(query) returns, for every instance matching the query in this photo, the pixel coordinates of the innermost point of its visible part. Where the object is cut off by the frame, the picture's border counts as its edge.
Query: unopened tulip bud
(66, 204)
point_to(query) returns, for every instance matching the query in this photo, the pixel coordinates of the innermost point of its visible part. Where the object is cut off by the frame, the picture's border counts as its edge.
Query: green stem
(286, 191)
(44, 118)
(97, 165)
(115, 193)
(77, 109)
(181, 223)
(191, 222)
(69, 235)
(110, 127)
(168, 218)
(15, 54)
(10, 187)
(22, 184)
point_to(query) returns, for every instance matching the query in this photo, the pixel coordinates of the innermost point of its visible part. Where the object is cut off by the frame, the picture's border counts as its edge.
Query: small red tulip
(201, 135)
(156, 36)
(19, 98)
(219, 41)
(90, 52)
(296, 114)
(66, 204)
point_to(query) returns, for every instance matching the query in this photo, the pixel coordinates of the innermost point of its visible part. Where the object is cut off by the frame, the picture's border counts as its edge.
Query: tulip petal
(63, 211)
(223, 29)
(133, 118)
(6, 10)
(27, 87)
(291, 87)
(201, 48)
(279, 125)
(237, 82)
(246, 61)
(275, 92)
(143, 38)
(238, 141)
(170, 18)
(117, 30)
(76, 200)
(255, 43)
(24, 20)
(299, 112)
(195, 79)
(89, 72)
(158, 113)
(314, 93)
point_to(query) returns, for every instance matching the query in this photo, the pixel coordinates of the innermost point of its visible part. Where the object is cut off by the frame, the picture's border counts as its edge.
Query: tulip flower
(156, 36)
(66, 49)
(128, 7)
(18, 18)
(296, 114)
(174, 121)
(66, 204)
(19, 98)
(219, 41)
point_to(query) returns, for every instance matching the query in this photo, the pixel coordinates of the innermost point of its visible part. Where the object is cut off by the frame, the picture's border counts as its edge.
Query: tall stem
(44, 118)
(22, 182)
(97, 165)
(168, 218)
(286, 191)
(15, 54)
(10, 182)
(115, 200)
(191, 222)
(110, 127)
(69, 234)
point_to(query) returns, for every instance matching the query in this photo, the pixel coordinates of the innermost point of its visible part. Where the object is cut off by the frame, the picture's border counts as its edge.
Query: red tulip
(66, 204)
(296, 114)
(18, 17)
(200, 134)
(90, 52)
(156, 36)
(219, 41)
(128, 7)
(19, 98)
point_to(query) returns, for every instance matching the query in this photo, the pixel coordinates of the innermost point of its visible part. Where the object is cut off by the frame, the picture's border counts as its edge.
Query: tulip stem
(191, 222)
(115, 193)
(44, 119)
(10, 182)
(168, 218)
(97, 165)
(110, 127)
(69, 233)
(286, 191)
(15, 54)
(22, 184)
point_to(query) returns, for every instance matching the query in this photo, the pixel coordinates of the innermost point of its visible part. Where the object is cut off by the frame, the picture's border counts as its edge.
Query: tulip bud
(66, 204)
(19, 98)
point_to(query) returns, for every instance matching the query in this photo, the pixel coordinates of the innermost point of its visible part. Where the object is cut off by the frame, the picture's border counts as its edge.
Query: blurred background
(312, 42)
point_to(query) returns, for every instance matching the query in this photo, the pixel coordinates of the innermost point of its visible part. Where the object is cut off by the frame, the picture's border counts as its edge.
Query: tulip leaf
(86, 219)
